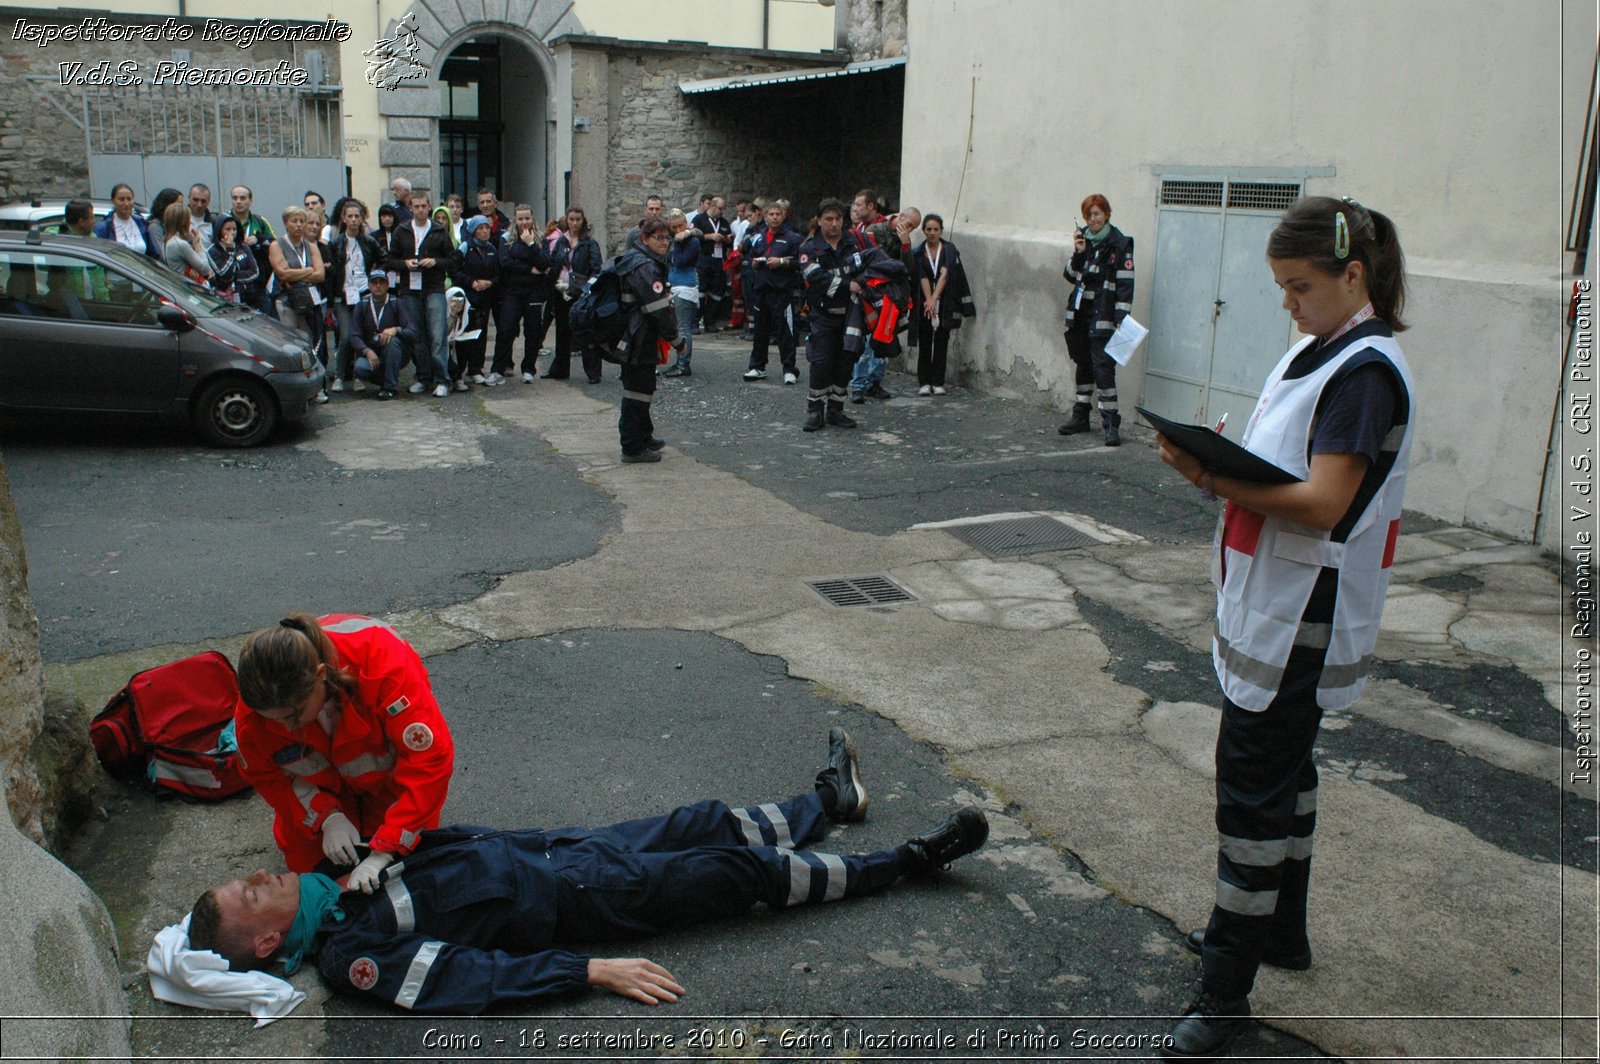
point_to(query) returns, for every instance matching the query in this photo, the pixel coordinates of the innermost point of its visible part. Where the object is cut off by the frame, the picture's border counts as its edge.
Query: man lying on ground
(472, 917)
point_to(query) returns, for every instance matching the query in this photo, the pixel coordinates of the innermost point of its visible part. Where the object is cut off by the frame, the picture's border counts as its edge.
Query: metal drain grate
(859, 590)
(1021, 535)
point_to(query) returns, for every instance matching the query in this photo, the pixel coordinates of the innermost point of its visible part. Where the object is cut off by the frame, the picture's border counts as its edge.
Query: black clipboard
(1217, 453)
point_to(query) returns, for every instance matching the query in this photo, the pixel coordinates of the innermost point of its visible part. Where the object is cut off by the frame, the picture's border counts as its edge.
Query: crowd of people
(424, 284)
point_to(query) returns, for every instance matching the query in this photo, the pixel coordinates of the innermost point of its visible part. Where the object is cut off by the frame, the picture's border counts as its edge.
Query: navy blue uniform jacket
(393, 314)
(463, 923)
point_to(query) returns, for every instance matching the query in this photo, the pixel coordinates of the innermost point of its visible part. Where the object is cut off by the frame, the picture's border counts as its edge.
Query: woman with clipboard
(1301, 570)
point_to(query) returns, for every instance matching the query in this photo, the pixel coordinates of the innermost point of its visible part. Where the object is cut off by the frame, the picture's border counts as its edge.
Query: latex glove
(340, 839)
(365, 877)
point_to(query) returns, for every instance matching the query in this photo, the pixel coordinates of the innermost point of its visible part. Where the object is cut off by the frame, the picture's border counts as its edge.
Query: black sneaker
(1208, 1027)
(877, 391)
(655, 444)
(958, 836)
(843, 774)
(642, 456)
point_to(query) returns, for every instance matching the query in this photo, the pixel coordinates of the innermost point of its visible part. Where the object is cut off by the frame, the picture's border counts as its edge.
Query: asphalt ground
(140, 539)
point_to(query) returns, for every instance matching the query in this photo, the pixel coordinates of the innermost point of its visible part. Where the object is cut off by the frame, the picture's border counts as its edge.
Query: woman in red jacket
(339, 731)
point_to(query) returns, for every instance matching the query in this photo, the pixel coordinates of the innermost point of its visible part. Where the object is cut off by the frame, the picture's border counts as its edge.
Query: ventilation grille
(1262, 195)
(1191, 193)
(859, 590)
(1021, 535)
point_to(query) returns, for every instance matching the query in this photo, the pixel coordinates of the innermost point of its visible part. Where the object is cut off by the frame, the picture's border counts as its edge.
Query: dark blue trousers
(1266, 813)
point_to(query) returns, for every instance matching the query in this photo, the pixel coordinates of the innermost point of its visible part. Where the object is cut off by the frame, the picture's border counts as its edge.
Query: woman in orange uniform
(339, 731)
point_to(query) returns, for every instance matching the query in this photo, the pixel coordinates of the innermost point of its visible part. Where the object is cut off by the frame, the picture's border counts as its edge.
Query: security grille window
(248, 121)
(1261, 195)
(1191, 193)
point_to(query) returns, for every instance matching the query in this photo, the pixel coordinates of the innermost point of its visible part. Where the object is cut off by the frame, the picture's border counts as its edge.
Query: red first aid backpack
(172, 726)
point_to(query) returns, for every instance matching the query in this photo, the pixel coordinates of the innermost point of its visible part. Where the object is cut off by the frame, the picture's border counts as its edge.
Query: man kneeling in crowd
(470, 919)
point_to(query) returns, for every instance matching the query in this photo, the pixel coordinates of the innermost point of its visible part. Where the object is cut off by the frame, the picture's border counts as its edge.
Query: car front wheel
(235, 412)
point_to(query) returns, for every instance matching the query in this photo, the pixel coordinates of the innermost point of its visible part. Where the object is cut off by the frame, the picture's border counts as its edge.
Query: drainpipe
(766, 24)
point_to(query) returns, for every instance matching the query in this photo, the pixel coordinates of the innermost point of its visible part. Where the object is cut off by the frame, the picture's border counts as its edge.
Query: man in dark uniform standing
(651, 322)
(825, 267)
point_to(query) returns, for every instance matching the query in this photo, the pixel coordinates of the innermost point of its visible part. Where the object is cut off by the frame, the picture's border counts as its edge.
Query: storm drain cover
(874, 590)
(1021, 535)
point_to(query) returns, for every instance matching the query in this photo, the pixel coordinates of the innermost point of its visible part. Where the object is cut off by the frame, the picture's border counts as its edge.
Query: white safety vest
(1265, 568)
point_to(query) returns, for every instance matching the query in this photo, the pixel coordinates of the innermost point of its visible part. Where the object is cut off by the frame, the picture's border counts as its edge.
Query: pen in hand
(1221, 421)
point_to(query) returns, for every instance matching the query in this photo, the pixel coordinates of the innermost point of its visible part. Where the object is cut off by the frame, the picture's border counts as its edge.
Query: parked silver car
(87, 325)
(43, 213)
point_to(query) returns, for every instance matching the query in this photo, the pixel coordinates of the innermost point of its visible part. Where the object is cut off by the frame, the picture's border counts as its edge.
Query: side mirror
(174, 318)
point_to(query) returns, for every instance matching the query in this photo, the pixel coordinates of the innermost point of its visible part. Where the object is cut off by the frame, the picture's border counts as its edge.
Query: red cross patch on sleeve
(657, 286)
(363, 973)
(418, 737)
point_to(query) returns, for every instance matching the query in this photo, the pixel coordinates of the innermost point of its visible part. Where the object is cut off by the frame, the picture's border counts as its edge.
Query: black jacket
(1104, 274)
(478, 261)
(435, 245)
(394, 314)
(339, 258)
(524, 268)
(648, 304)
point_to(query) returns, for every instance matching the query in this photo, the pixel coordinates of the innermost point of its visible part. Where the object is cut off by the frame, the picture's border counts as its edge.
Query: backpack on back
(596, 317)
(172, 727)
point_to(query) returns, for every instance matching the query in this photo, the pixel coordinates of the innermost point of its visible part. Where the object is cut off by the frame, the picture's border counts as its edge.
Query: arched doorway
(494, 128)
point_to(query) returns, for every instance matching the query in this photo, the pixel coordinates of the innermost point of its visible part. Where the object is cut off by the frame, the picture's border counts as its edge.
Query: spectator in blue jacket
(683, 278)
(126, 227)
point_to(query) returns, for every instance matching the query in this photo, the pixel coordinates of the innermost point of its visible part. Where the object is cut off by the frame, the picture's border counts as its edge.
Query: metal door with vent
(1217, 322)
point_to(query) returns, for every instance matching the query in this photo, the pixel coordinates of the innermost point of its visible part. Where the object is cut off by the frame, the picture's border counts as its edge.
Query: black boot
(837, 417)
(1112, 422)
(958, 836)
(1079, 422)
(813, 415)
(1208, 1027)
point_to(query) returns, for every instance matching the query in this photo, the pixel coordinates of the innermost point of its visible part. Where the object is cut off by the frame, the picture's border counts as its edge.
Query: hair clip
(1341, 236)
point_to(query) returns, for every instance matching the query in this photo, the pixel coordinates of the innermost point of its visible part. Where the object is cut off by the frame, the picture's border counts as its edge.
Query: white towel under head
(202, 979)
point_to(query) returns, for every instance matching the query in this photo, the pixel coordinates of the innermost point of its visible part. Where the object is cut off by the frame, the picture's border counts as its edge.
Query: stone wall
(43, 147)
(873, 29)
(57, 948)
(801, 140)
(21, 674)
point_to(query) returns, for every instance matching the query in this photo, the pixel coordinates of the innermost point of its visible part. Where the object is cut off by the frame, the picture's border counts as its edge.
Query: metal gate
(280, 141)
(1217, 324)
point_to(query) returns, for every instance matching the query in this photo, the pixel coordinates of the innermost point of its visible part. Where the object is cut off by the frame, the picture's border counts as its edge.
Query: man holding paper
(1101, 272)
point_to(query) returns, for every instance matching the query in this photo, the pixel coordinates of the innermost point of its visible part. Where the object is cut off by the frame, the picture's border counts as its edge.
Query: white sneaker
(926, 389)
(322, 397)
(527, 378)
(791, 378)
(755, 374)
(358, 385)
(336, 386)
(938, 389)
(441, 391)
(477, 378)
(417, 388)
(494, 379)
(462, 385)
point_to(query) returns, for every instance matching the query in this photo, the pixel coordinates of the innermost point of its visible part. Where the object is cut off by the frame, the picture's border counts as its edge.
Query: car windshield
(186, 294)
